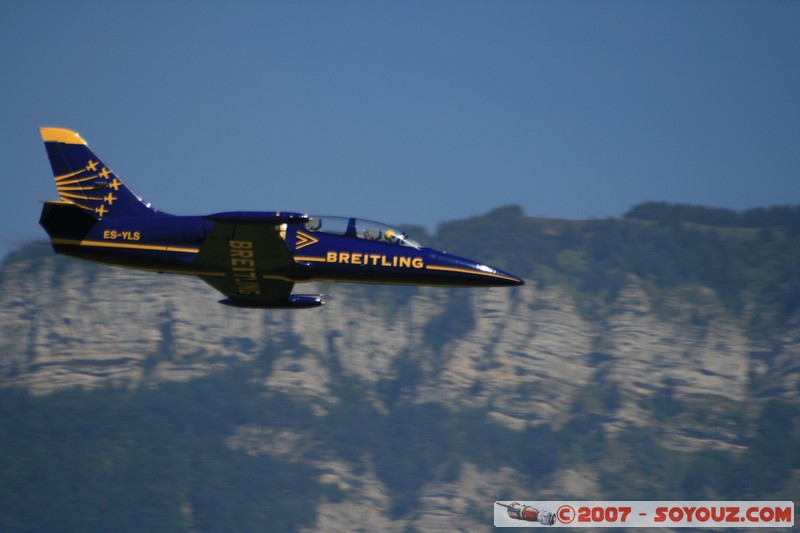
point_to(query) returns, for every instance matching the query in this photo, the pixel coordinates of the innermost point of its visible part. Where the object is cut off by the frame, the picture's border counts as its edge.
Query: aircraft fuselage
(171, 244)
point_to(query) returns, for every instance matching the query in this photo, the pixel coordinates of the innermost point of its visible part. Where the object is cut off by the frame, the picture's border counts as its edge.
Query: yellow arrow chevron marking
(304, 239)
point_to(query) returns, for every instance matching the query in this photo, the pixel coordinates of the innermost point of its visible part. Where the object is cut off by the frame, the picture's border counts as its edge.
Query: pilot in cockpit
(372, 234)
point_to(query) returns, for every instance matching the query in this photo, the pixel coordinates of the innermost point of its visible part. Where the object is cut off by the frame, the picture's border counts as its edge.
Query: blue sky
(407, 112)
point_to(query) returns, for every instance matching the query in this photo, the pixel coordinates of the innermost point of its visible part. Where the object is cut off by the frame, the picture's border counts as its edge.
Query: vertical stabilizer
(84, 180)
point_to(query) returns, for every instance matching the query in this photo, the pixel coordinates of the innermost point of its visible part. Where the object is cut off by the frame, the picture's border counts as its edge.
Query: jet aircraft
(253, 258)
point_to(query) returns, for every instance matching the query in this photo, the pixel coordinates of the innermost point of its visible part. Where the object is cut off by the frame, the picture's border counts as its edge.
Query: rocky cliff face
(528, 356)
(524, 352)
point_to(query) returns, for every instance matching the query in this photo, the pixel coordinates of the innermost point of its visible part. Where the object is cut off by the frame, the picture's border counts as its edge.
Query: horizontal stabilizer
(259, 217)
(295, 301)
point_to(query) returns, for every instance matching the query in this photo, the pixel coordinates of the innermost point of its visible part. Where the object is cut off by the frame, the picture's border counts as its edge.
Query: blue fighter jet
(253, 258)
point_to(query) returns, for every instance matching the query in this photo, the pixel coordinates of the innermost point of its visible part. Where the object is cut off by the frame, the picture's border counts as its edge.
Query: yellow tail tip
(61, 135)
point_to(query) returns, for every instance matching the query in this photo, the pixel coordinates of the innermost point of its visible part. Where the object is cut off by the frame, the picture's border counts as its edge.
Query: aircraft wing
(271, 293)
(243, 251)
(261, 244)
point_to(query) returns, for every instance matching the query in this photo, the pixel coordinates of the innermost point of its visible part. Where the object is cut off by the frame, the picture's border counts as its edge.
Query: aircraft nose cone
(511, 279)
(461, 271)
(499, 277)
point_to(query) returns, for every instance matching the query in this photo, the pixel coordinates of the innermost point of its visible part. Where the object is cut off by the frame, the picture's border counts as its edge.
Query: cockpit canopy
(362, 229)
